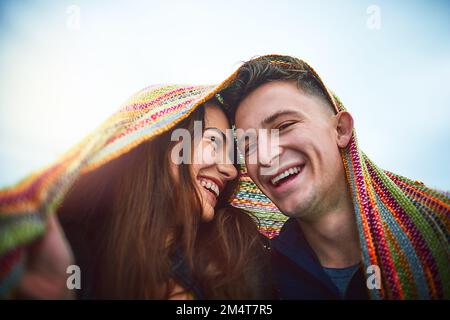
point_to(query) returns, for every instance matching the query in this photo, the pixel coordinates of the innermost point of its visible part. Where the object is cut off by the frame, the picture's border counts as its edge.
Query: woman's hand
(48, 257)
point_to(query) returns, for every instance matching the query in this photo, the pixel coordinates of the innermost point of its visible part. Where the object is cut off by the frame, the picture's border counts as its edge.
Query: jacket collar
(293, 245)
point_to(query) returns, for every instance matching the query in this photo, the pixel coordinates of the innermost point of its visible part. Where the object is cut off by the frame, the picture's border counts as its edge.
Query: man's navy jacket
(297, 273)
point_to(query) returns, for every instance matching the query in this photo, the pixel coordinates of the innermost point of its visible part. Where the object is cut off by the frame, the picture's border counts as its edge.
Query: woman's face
(212, 166)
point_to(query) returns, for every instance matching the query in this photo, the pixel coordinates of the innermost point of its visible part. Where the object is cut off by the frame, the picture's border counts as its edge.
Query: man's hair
(258, 71)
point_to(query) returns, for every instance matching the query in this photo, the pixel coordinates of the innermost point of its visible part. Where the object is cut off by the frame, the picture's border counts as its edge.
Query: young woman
(144, 226)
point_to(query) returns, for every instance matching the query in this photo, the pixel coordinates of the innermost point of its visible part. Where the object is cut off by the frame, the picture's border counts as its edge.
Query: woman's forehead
(215, 117)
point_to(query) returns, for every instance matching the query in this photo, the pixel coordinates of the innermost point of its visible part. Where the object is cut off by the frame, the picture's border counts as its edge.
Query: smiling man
(355, 231)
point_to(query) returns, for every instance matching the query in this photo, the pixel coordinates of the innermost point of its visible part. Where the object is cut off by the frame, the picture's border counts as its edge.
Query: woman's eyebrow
(217, 130)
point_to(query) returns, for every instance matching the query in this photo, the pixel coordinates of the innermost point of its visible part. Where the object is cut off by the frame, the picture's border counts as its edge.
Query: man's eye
(285, 125)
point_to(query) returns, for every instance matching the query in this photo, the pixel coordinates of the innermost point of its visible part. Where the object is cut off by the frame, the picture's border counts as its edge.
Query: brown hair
(258, 71)
(126, 219)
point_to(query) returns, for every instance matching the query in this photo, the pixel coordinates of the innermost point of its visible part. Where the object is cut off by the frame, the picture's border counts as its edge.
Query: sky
(65, 66)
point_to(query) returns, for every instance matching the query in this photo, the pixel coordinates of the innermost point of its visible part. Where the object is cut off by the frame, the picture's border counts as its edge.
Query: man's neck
(333, 236)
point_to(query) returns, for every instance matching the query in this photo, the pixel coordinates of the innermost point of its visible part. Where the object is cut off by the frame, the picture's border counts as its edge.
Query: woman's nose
(228, 171)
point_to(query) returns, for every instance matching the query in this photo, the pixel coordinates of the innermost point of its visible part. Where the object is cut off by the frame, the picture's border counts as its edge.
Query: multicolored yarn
(24, 207)
(403, 225)
(251, 199)
(404, 229)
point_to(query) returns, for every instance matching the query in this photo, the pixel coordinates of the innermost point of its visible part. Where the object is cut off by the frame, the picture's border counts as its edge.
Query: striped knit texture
(403, 228)
(25, 206)
(251, 199)
(403, 225)
(152, 111)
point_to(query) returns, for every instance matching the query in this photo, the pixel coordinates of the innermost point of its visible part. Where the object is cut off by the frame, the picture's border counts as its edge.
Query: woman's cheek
(206, 154)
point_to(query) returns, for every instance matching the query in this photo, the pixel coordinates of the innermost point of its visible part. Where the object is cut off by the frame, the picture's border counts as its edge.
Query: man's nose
(268, 151)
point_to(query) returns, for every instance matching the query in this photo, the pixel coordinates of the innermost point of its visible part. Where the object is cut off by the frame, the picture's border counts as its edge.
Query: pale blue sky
(58, 82)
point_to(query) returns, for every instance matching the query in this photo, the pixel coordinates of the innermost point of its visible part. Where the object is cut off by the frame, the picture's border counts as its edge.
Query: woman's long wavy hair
(126, 219)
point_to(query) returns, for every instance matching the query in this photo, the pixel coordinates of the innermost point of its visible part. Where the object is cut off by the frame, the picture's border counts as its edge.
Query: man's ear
(344, 128)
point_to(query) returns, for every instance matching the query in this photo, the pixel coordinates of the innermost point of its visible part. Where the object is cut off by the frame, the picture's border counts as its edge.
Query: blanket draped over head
(24, 208)
(403, 225)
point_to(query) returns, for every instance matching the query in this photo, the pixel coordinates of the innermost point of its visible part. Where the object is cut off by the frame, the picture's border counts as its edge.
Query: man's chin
(290, 211)
(297, 209)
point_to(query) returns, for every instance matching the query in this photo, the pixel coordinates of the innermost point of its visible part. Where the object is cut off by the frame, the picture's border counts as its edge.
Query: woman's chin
(208, 213)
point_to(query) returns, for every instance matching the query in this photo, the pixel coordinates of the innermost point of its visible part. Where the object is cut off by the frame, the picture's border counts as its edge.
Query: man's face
(308, 174)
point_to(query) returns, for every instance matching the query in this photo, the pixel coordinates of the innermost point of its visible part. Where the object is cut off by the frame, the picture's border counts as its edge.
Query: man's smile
(281, 181)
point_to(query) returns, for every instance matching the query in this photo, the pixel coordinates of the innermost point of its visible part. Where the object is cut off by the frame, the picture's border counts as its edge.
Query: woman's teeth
(208, 184)
(288, 172)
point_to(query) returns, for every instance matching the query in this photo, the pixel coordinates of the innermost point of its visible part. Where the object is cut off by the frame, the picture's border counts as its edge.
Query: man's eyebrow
(268, 120)
(217, 130)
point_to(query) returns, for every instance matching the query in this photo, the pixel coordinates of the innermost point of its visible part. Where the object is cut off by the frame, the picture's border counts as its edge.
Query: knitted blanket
(403, 225)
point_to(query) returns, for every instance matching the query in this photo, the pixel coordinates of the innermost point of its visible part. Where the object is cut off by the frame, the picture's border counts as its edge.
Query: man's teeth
(284, 174)
(208, 184)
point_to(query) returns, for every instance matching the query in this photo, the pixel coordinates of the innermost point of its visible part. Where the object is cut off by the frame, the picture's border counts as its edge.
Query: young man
(355, 231)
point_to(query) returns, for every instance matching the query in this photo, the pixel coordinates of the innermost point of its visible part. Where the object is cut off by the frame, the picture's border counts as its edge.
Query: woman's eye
(216, 141)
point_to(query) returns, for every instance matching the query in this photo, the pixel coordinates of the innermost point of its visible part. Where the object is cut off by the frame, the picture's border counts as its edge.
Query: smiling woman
(210, 162)
(141, 226)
